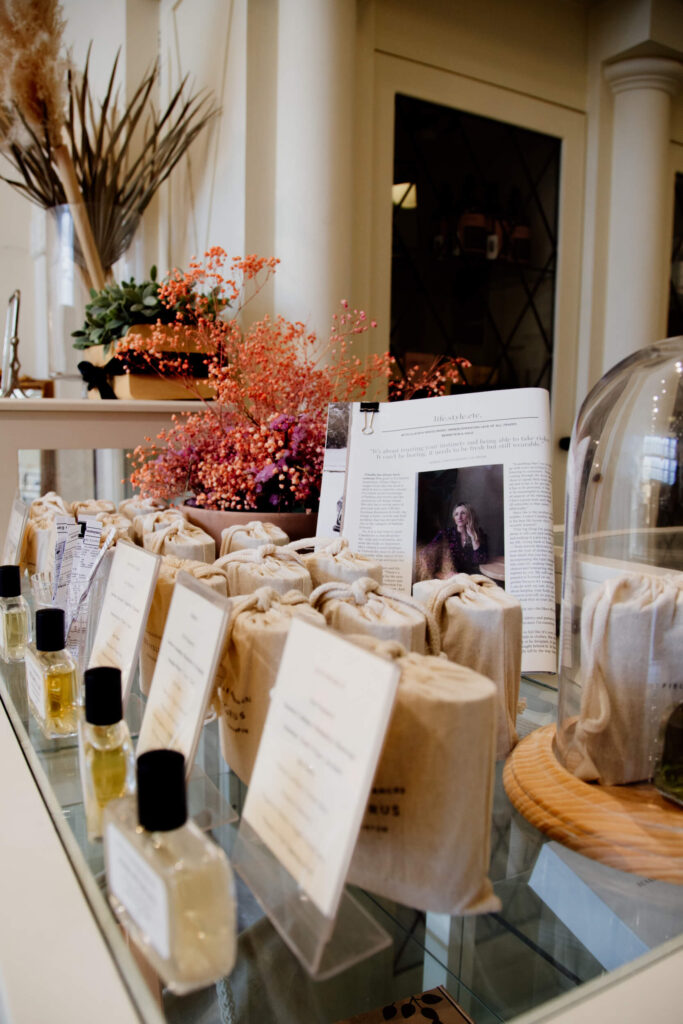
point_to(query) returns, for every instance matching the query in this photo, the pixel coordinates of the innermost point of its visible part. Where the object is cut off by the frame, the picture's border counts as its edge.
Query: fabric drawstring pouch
(265, 566)
(151, 521)
(425, 836)
(37, 549)
(112, 520)
(631, 652)
(51, 504)
(481, 627)
(92, 507)
(335, 560)
(181, 539)
(161, 602)
(366, 607)
(137, 506)
(251, 535)
(257, 631)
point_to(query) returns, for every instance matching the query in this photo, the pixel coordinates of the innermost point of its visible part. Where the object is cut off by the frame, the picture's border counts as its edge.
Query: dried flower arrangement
(259, 444)
(66, 148)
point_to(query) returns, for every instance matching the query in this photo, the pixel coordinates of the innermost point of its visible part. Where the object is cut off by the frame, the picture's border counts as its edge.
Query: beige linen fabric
(336, 561)
(50, 504)
(425, 838)
(113, 520)
(368, 608)
(151, 521)
(251, 535)
(481, 627)
(161, 602)
(257, 631)
(265, 566)
(37, 549)
(92, 507)
(137, 506)
(181, 539)
(631, 666)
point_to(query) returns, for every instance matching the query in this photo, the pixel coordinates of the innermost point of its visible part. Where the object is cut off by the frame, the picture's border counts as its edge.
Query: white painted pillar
(314, 152)
(641, 198)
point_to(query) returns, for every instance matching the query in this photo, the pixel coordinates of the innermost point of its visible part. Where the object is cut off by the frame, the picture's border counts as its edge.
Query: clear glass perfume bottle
(106, 751)
(14, 615)
(51, 677)
(170, 885)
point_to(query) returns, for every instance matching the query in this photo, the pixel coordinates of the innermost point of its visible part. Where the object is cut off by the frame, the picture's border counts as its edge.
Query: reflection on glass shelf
(564, 919)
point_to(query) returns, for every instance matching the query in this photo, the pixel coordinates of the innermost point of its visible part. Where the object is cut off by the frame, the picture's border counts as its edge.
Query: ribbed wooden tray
(631, 827)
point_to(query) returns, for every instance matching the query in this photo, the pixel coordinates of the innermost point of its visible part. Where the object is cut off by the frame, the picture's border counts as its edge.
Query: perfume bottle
(51, 677)
(169, 884)
(669, 772)
(14, 616)
(106, 752)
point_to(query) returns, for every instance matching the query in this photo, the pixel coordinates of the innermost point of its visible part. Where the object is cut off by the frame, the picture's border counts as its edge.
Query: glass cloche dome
(620, 714)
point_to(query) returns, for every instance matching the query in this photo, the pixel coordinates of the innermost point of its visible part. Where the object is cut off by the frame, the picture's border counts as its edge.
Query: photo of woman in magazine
(453, 533)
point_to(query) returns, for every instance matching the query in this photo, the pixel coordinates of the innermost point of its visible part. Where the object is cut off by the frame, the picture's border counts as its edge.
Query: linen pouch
(265, 566)
(631, 653)
(137, 506)
(109, 520)
(336, 561)
(481, 627)
(161, 602)
(366, 607)
(151, 521)
(256, 635)
(181, 539)
(37, 549)
(426, 834)
(92, 507)
(251, 535)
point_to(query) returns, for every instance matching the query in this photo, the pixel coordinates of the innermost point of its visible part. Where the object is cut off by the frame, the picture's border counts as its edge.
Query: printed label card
(127, 599)
(18, 519)
(329, 712)
(186, 666)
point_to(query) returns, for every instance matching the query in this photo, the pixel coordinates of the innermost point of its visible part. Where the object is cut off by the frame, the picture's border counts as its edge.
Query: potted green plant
(115, 308)
(144, 309)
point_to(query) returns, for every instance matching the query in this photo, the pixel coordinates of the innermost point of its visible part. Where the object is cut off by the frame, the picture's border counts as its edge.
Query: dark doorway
(474, 244)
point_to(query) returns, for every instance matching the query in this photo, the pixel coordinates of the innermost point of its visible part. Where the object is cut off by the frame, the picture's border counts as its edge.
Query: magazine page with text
(461, 483)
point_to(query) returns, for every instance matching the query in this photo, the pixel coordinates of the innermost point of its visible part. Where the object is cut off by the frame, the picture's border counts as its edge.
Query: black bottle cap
(161, 790)
(10, 581)
(103, 704)
(50, 629)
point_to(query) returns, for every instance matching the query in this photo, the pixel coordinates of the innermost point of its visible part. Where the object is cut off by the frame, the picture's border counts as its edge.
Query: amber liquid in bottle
(53, 691)
(108, 769)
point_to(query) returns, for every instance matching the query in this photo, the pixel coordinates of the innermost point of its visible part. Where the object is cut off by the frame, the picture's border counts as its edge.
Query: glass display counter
(564, 921)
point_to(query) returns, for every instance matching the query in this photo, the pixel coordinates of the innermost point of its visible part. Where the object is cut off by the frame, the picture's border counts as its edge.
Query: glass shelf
(496, 966)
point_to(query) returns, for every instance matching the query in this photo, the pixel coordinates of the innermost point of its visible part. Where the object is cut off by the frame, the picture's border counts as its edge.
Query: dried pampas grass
(65, 148)
(33, 79)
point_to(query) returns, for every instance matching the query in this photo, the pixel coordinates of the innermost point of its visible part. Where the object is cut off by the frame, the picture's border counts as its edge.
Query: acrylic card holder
(184, 674)
(14, 536)
(329, 712)
(182, 686)
(125, 607)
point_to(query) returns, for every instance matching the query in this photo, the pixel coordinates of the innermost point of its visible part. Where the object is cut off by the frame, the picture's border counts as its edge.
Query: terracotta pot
(295, 524)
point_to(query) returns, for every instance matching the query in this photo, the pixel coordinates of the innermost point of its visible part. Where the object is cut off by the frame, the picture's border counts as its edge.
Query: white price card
(329, 711)
(127, 599)
(18, 518)
(183, 677)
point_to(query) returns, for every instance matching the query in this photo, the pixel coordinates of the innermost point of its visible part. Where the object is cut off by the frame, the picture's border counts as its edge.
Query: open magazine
(436, 486)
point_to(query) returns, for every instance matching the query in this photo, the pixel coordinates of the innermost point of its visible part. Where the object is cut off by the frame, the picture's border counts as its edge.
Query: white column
(641, 198)
(314, 152)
